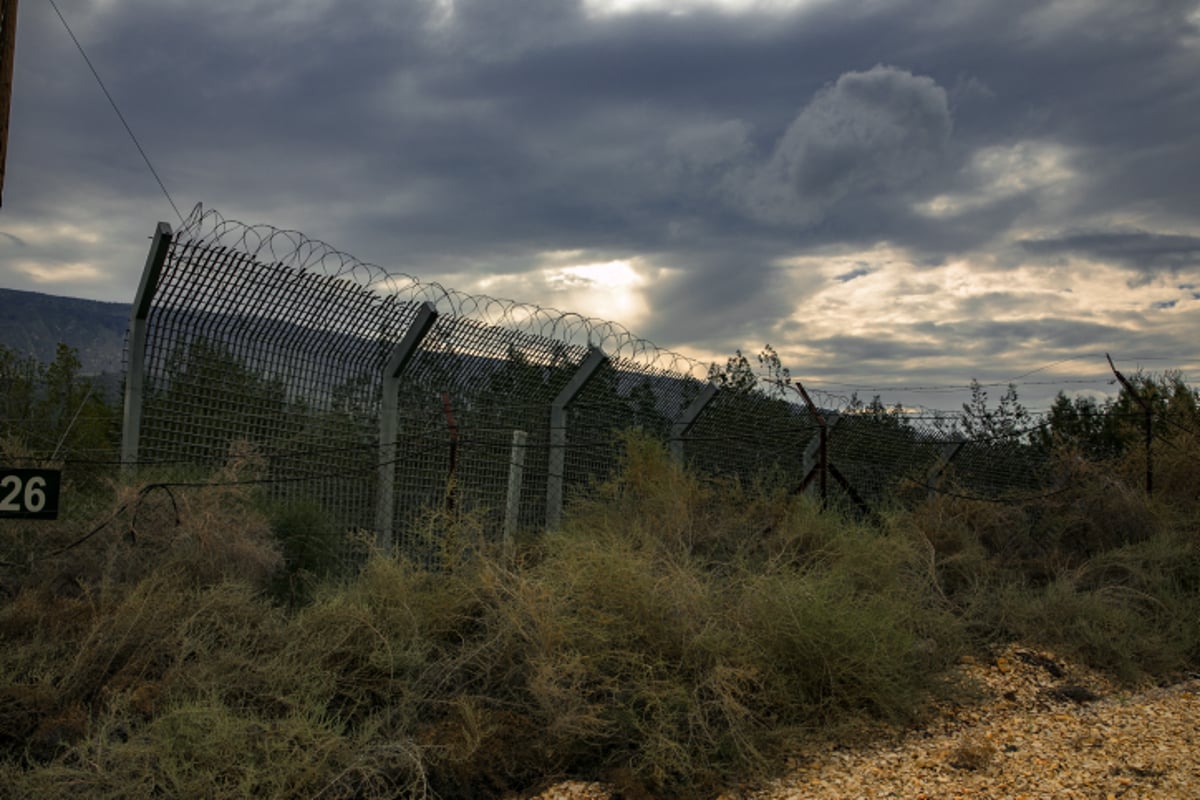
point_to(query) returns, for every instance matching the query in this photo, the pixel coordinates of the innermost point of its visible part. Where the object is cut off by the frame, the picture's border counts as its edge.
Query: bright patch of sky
(442, 12)
(606, 290)
(1005, 171)
(56, 278)
(939, 314)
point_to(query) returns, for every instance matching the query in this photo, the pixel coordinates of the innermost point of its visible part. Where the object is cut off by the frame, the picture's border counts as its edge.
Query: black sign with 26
(29, 493)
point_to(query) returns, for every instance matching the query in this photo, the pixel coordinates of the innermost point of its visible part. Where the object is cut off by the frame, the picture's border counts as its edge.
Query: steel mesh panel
(285, 359)
(877, 454)
(469, 387)
(999, 468)
(883, 454)
(263, 335)
(752, 436)
(624, 395)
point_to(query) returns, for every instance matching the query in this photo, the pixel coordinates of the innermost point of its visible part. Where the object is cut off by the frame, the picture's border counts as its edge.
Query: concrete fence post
(389, 413)
(516, 475)
(937, 473)
(558, 434)
(135, 369)
(688, 418)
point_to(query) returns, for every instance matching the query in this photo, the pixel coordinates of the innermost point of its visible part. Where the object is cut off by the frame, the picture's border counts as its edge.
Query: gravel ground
(1041, 729)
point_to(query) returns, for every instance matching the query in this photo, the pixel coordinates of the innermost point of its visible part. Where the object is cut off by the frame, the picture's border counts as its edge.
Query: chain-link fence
(376, 397)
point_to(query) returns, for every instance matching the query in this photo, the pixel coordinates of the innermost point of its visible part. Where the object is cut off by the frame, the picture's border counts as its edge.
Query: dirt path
(1043, 729)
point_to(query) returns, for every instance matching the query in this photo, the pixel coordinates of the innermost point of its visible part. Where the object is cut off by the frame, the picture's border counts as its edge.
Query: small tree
(1008, 420)
(875, 411)
(53, 408)
(777, 375)
(739, 377)
(644, 409)
(736, 377)
(1107, 429)
(19, 381)
(1084, 423)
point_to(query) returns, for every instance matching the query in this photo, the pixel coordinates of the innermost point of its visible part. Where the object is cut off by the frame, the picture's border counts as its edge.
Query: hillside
(33, 324)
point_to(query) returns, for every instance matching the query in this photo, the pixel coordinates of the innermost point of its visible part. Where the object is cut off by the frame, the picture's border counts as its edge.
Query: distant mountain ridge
(32, 323)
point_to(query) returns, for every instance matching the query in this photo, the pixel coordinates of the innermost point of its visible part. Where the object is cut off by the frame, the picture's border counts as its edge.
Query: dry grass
(1098, 570)
(676, 633)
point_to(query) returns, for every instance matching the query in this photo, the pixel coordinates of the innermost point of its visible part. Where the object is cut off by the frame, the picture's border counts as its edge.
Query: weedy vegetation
(676, 632)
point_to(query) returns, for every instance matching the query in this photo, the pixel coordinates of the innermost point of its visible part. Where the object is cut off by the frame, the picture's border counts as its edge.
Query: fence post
(933, 478)
(516, 474)
(389, 412)
(816, 456)
(1148, 423)
(688, 418)
(135, 371)
(558, 434)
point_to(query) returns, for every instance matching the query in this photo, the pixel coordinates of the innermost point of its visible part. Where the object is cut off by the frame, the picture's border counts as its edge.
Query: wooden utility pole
(8, 47)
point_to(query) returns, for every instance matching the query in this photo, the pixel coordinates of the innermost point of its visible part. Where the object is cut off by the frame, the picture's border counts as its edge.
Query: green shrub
(1131, 611)
(311, 547)
(676, 633)
(685, 631)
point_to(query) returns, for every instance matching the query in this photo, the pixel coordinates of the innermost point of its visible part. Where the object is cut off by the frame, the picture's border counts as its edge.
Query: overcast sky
(896, 195)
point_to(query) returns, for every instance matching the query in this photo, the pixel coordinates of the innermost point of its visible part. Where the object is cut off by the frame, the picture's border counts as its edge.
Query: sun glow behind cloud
(567, 280)
(608, 290)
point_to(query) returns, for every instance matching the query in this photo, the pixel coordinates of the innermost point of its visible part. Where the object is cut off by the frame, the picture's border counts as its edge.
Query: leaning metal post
(688, 418)
(1148, 422)
(821, 468)
(135, 374)
(558, 434)
(815, 463)
(389, 412)
(825, 467)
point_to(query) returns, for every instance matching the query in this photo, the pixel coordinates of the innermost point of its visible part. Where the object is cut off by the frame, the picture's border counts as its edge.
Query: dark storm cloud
(846, 277)
(1050, 336)
(871, 350)
(980, 344)
(708, 298)
(516, 109)
(467, 138)
(1136, 250)
(870, 132)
